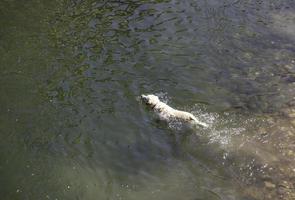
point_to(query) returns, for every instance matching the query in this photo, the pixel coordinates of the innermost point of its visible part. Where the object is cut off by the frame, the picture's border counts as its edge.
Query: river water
(71, 123)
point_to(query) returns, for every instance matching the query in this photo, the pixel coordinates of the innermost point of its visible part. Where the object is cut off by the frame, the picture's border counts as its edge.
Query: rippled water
(71, 72)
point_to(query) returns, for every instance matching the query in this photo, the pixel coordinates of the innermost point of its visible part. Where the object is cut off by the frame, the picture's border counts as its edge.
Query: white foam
(221, 129)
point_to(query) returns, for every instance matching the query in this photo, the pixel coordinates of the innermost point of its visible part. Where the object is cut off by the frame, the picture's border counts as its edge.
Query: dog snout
(144, 98)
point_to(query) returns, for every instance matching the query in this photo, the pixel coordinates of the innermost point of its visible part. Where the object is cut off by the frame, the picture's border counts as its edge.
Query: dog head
(150, 99)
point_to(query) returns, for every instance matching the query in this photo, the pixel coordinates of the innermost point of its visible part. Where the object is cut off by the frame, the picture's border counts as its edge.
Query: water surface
(71, 72)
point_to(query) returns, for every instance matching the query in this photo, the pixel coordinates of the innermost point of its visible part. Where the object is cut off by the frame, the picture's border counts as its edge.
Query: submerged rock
(269, 185)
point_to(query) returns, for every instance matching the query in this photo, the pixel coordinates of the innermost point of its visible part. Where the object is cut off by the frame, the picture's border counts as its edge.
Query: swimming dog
(167, 113)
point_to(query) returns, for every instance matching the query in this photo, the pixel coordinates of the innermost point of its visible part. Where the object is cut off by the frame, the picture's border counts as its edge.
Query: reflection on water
(73, 129)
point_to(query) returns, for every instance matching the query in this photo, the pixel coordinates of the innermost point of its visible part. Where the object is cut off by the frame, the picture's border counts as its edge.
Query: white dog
(166, 113)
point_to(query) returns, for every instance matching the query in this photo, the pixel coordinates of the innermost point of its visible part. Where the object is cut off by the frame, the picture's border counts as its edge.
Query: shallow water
(71, 72)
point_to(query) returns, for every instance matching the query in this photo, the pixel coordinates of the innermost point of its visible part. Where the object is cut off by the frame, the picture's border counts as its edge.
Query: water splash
(163, 96)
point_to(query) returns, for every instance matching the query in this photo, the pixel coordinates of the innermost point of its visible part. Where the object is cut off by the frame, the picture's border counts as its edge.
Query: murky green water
(71, 72)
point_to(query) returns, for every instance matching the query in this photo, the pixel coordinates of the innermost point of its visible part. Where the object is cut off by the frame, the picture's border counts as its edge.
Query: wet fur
(166, 112)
